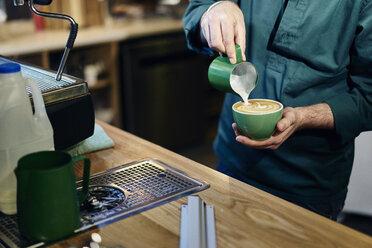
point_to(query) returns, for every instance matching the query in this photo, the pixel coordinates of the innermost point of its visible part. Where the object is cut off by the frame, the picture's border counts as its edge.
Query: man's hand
(222, 26)
(315, 116)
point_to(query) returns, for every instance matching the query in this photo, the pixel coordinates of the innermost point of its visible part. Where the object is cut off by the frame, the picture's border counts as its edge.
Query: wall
(359, 198)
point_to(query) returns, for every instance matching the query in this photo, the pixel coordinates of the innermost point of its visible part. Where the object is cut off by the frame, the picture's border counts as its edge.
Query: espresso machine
(67, 99)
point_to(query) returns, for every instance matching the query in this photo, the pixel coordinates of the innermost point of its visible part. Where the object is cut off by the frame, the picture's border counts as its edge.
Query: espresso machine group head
(73, 28)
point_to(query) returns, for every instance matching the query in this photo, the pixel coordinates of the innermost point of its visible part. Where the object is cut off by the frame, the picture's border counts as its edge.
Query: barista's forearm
(316, 116)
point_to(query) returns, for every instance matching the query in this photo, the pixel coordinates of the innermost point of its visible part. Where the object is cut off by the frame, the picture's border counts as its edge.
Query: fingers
(288, 119)
(228, 40)
(283, 124)
(270, 143)
(215, 35)
(204, 31)
(222, 27)
(236, 130)
(240, 36)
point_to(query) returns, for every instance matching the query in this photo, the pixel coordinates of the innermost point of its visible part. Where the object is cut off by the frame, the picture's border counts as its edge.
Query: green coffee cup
(48, 206)
(221, 72)
(258, 119)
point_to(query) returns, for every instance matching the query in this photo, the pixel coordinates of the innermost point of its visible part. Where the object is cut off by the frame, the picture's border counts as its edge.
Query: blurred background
(143, 78)
(134, 57)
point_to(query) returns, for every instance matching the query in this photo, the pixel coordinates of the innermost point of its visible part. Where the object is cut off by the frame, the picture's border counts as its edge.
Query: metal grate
(145, 184)
(53, 91)
(46, 82)
(124, 191)
(9, 233)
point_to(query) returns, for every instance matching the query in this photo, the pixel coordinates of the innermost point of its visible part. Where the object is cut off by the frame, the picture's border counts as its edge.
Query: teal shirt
(310, 51)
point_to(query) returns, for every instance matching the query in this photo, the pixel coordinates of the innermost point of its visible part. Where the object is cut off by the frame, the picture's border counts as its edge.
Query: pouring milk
(243, 79)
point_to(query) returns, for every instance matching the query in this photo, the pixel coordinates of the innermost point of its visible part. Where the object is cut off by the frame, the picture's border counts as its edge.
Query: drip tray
(116, 194)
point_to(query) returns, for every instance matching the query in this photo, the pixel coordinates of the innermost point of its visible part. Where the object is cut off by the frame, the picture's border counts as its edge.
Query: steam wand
(71, 38)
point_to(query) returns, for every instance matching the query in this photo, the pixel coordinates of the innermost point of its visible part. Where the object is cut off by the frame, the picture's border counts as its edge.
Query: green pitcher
(48, 205)
(229, 77)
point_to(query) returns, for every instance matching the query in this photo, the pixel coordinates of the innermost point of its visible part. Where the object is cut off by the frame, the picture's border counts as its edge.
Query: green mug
(48, 206)
(258, 119)
(221, 71)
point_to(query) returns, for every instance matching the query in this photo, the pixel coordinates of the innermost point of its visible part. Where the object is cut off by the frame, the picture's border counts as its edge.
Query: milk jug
(22, 131)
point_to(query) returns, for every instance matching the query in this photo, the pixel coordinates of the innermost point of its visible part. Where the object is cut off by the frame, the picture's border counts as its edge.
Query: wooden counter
(244, 215)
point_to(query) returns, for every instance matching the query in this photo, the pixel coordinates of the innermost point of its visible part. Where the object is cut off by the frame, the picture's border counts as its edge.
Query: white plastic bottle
(21, 130)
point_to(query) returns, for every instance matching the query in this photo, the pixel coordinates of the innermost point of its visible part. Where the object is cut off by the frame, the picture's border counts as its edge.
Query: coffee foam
(257, 106)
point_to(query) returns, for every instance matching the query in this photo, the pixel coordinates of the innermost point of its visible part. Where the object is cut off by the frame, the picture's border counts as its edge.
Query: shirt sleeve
(352, 111)
(191, 22)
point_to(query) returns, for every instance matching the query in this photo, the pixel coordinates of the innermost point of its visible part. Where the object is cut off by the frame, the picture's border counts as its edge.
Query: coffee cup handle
(238, 52)
(86, 174)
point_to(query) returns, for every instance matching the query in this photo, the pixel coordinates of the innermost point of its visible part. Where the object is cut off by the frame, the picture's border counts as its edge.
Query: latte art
(257, 106)
(257, 120)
